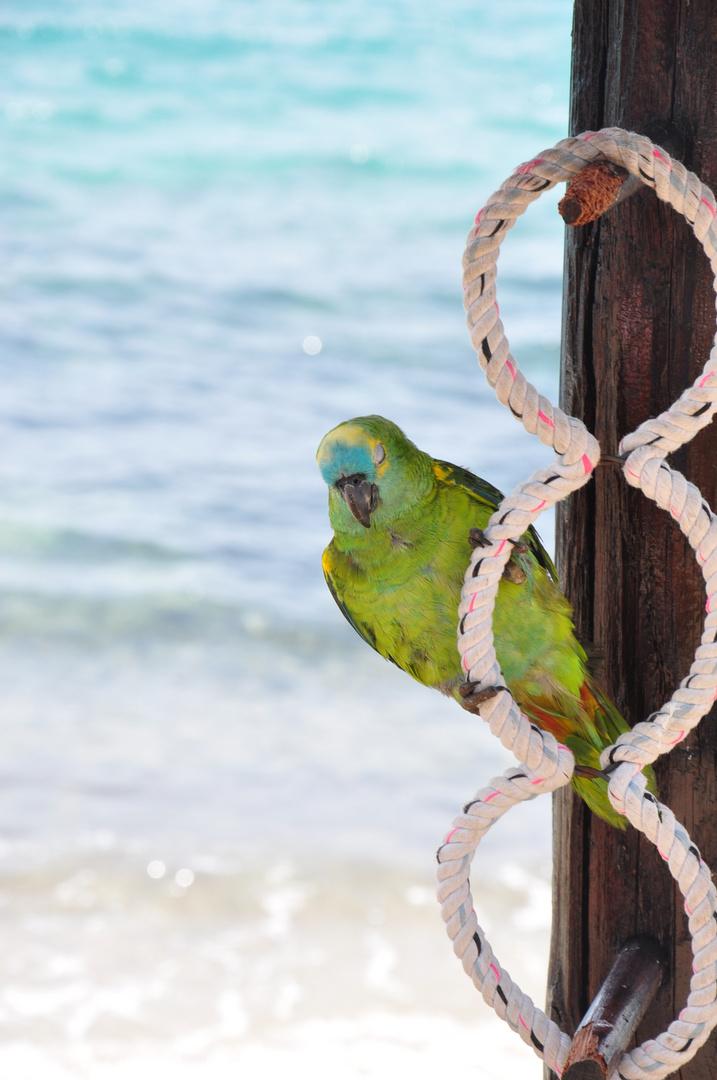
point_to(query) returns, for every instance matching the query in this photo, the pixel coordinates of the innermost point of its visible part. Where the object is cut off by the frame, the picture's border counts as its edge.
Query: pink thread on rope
(709, 374)
(590, 135)
(497, 973)
(661, 157)
(491, 796)
(510, 368)
(473, 600)
(587, 464)
(545, 419)
(478, 215)
(540, 506)
(636, 475)
(448, 838)
(528, 165)
(708, 605)
(502, 545)
(523, 1022)
(678, 739)
(709, 206)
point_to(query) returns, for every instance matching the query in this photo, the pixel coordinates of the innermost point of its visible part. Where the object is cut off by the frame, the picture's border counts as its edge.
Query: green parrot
(404, 525)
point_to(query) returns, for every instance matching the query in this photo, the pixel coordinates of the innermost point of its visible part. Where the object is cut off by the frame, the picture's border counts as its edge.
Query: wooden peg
(621, 1003)
(602, 185)
(593, 191)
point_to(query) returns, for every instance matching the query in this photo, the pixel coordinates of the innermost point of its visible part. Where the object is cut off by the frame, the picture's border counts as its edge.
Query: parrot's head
(375, 475)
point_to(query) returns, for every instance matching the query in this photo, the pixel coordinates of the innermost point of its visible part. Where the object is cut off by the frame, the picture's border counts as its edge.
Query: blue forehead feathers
(342, 459)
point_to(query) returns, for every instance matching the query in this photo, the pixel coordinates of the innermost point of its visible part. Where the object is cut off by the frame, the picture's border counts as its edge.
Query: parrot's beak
(361, 497)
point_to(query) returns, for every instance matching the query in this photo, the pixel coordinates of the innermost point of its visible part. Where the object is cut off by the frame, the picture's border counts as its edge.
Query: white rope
(547, 765)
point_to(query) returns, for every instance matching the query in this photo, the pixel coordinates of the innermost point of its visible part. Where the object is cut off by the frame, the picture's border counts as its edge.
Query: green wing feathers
(329, 565)
(490, 497)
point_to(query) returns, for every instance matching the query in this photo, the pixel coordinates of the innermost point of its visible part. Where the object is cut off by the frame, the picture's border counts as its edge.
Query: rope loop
(546, 765)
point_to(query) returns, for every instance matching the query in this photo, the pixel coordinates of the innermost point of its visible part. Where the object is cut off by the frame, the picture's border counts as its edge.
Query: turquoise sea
(225, 226)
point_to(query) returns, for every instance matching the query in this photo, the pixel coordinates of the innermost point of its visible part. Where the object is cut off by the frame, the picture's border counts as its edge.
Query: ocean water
(225, 227)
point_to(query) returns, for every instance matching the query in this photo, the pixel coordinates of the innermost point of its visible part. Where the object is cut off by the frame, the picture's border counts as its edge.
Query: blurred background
(225, 226)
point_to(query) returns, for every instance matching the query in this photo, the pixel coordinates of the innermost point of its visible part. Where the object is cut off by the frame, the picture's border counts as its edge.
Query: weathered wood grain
(639, 315)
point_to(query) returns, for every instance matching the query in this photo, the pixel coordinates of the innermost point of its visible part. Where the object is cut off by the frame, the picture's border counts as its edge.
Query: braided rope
(546, 764)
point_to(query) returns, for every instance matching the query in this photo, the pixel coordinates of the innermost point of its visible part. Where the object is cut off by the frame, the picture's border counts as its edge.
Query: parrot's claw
(474, 698)
(513, 572)
(477, 538)
(589, 773)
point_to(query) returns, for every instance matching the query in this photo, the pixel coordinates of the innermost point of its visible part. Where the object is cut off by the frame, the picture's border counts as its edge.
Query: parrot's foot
(473, 698)
(477, 538)
(513, 572)
(589, 773)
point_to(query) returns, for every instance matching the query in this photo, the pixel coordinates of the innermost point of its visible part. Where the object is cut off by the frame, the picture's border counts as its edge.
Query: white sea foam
(348, 972)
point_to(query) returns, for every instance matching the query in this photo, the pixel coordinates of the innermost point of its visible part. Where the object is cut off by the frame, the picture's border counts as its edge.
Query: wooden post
(639, 316)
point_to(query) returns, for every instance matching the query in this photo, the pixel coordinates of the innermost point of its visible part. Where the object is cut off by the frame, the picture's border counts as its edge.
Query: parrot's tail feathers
(588, 726)
(605, 726)
(594, 793)
(549, 719)
(609, 724)
(606, 720)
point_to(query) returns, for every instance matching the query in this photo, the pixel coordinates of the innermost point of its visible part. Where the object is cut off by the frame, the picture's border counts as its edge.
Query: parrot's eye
(379, 454)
